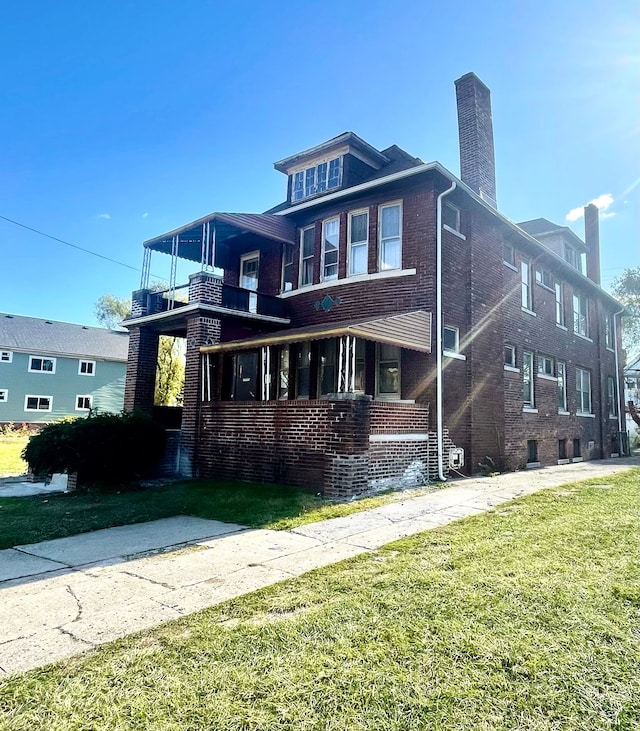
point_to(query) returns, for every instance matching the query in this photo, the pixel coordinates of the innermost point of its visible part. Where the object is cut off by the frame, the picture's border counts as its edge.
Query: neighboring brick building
(383, 319)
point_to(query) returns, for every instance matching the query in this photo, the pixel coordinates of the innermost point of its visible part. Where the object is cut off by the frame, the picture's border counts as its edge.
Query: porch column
(142, 362)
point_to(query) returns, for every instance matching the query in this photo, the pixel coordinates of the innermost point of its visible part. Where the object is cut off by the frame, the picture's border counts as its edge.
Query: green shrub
(104, 449)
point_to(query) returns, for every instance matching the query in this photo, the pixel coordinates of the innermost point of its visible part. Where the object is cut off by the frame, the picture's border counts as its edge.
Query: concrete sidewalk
(63, 597)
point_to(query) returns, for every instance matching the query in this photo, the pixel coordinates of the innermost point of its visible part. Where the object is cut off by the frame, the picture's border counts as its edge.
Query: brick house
(385, 324)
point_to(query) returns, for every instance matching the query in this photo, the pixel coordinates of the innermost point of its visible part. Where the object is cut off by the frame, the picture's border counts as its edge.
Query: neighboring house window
(6, 356)
(87, 368)
(581, 315)
(451, 217)
(583, 389)
(303, 363)
(562, 386)
(38, 403)
(527, 380)
(608, 331)
(612, 401)
(4, 395)
(388, 371)
(358, 242)
(84, 403)
(508, 254)
(545, 365)
(316, 179)
(525, 279)
(451, 339)
(390, 248)
(510, 356)
(307, 236)
(287, 268)
(559, 290)
(42, 365)
(330, 240)
(544, 278)
(327, 368)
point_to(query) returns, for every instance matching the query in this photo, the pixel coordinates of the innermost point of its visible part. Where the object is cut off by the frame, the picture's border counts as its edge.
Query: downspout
(615, 350)
(439, 324)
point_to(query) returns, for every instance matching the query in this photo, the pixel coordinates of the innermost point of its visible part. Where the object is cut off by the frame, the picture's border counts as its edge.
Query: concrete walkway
(63, 597)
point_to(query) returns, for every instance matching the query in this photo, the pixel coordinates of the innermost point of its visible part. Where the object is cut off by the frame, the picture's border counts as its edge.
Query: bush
(104, 449)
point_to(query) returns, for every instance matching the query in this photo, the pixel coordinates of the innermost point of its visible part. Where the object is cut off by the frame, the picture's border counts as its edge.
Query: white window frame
(39, 370)
(83, 396)
(4, 395)
(581, 373)
(609, 325)
(456, 212)
(38, 396)
(456, 333)
(580, 318)
(546, 366)
(301, 190)
(381, 241)
(90, 363)
(287, 248)
(6, 356)
(388, 396)
(561, 378)
(331, 277)
(310, 257)
(612, 400)
(526, 300)
(544, 278)
(511, 261)
(512, 358)
(560, 314)
(530, 403)
(351, 245)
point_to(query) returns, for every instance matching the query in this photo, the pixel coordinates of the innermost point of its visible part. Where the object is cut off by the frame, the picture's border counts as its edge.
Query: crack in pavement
(163, 584)
(78, 602)
(75, 638)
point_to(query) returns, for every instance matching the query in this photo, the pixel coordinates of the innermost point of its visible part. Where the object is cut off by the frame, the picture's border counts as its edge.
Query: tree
(626, 288)
(110, 311)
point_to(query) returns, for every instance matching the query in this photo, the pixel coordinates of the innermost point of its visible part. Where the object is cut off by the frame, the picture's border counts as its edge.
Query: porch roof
(410, 330)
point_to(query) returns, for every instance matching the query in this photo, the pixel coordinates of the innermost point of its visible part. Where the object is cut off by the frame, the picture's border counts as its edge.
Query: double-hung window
(330, 241)
(41, 365)
(84, 403)
(562, 387)
(581, 315)
(87, 368)
(287, 268)
(510, 356)
(307, 236)
(527, 380)
(388, 375)
(612, 401)
(358, 242)
(583, 390)
(525, 279)
(608, 332)
(390, 235)
(559, 290)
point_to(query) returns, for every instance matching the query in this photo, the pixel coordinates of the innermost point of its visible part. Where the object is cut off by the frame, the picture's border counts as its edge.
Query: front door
(246, 380)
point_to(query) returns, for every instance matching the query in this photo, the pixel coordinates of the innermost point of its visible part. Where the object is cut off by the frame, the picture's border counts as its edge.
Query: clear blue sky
(121, 121)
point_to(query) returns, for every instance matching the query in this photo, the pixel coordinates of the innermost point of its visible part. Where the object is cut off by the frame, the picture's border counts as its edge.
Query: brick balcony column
(142, 362)
(205, 287)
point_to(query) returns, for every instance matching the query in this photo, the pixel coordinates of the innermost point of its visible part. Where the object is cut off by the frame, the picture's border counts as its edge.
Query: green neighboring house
(49, 370)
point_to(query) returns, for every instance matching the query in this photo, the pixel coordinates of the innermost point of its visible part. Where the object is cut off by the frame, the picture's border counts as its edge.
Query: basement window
(532, 451)
(562, 449)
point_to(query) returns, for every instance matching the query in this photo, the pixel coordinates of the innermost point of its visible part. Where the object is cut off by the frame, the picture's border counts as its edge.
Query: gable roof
(542, 227)
(35, 335)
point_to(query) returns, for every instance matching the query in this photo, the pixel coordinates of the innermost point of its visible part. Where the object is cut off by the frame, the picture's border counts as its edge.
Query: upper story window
(316, 179)
(390, 234)
(6, 356)
(559, 290)
(525, 279)
(451, 339)
(562, 386)
(87, 368)
(581, 315)
(510, 356)
(545, 365)
(573, 256)
(358, 242)
(527, 380)
(451, 217)
(307, 236)
(544, 278)
(330, 241)
(287, 268)
(583, 390)
(608, 332)
(508, 254)
(41, 365)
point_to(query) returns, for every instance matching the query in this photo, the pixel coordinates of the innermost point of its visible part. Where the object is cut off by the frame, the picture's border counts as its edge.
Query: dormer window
(316, 179)
(574, 257)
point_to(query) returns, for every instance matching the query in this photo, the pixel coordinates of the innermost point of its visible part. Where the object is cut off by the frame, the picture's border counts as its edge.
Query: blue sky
(124, 120)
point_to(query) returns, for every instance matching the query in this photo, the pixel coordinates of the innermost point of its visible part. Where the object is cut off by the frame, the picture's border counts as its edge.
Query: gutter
(439, 328)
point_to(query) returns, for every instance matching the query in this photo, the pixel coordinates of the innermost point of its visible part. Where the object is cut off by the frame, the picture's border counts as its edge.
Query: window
(87, 368)
(327, 368)
(583, 390)
(612, 401)
(390, 249)
(545, 365)
(451, 217)
(84, 403)
(527, 380)
(451, 339)
(330, 236)
(510, 356)
(581, 315)
(562, 449)
(388, 371)
(562, 386)
(525, 279)
(303, 368)
(42, 365)
(316, 179)
(532, 451)
(358, 242)
(508, 254)
(576, 448)
(6, 356)
(287, 268)
(4, 395)
(359, 375)
(38, 403)
(573, 257)
(307, 236)
(608, 332)
(283, 373)
(559, 290)
(544, 278)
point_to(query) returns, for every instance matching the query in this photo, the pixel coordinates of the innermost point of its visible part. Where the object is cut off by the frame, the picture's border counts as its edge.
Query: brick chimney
(475, 130)
(592, 240)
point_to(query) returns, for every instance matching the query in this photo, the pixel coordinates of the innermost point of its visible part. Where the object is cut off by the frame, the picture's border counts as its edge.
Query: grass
(37, 518)
(524, 618)
(10, 460)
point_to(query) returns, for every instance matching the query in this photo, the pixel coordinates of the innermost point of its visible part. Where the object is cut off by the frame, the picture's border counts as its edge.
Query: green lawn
(33, 519)
(10, 461)
(522, 618)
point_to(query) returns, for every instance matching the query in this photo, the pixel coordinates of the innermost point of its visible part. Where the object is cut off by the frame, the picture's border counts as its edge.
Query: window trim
(391, 204)
(365, 243)
(8, 353)
(546, 360)
(83, 396)
(323, 276)
(311, 257)
(525, 286)
(529, 404)
(540, 279)
(580, 411)
(43, 358)
(93, 367)
(514, 353)
(507, 262)
(38, 396)
(609, 336)
(304, 172)
(396, 395)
